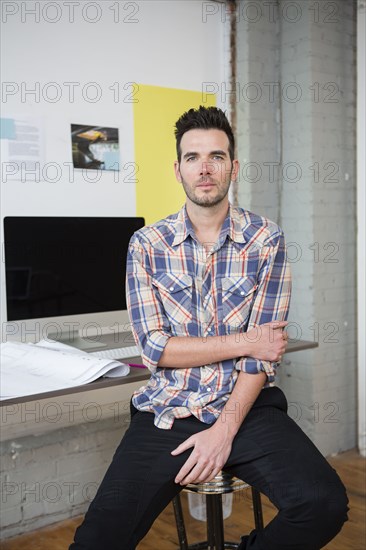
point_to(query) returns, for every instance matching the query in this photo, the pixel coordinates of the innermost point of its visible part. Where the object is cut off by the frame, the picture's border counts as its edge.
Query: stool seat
(223, 483)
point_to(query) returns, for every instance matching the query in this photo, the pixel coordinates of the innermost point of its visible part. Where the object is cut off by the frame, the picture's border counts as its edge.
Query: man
(208, 297)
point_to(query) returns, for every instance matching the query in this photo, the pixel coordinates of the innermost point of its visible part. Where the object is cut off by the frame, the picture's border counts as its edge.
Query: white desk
(135, 375)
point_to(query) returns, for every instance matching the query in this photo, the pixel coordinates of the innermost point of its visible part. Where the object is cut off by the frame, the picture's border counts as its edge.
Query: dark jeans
(269, 452)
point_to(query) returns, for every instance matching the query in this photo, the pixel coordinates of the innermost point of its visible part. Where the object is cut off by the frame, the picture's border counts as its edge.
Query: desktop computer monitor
(65, 278)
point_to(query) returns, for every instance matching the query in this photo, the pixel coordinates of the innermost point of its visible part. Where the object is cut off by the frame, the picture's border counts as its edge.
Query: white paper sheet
(27, 369)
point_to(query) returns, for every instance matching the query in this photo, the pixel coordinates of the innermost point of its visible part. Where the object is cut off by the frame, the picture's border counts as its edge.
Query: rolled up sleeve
(271, 301)
(150, 326)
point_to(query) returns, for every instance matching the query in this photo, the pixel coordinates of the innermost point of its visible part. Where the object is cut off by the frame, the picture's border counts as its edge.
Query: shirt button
(242, 293)
(209, 389)
(172, 288)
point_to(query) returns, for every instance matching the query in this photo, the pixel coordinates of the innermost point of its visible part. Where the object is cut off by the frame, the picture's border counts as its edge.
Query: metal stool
(222, 483)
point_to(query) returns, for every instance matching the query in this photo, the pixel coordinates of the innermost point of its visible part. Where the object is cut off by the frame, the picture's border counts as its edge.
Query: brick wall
(54, 475)
(300, 57)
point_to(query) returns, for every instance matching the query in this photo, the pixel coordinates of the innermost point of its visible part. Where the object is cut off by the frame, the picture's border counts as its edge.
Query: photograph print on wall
(95, 147)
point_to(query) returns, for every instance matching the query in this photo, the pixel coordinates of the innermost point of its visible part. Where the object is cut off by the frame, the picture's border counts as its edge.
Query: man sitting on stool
(208, 297)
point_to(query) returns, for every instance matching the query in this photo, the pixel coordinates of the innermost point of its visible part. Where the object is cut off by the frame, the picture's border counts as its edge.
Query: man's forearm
(183, 352)
(241, 400)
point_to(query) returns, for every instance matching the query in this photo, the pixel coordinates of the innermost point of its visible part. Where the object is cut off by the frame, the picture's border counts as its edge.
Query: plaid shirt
(176, 288)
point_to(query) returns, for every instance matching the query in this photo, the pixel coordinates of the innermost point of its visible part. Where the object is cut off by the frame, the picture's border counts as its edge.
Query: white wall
(170, 44)
(163, 43)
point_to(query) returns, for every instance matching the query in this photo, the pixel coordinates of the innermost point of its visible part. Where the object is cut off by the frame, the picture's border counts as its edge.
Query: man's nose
(207, 168)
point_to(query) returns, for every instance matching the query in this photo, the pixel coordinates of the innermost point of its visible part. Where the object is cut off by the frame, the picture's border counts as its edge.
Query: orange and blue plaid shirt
(176, 288)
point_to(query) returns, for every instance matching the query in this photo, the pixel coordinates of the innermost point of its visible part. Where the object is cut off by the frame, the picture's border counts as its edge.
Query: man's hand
(211, 449)
(268, 342)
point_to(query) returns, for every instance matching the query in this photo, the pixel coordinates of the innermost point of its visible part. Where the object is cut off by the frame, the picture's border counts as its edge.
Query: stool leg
(257, 509)
(210, 522)
(215, 522)
(181, 530)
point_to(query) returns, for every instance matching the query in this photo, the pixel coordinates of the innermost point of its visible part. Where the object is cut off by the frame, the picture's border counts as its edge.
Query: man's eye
(190, 158)
(218, 157)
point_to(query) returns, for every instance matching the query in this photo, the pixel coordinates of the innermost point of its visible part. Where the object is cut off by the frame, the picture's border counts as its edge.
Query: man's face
(205, 169)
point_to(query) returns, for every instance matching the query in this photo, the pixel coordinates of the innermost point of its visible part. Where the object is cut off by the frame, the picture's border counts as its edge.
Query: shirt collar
(183, 227)
(232, 227)
(237, 223)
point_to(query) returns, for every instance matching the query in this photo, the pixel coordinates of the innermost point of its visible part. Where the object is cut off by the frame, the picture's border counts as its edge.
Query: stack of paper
(28, 369)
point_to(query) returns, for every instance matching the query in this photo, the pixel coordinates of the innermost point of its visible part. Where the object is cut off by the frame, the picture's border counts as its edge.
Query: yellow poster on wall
(156, 110)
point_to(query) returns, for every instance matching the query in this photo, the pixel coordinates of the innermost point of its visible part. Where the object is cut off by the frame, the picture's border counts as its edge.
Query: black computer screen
(65, 265)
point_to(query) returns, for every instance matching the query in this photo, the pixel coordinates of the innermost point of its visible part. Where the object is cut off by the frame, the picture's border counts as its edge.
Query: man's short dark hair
(203, 118)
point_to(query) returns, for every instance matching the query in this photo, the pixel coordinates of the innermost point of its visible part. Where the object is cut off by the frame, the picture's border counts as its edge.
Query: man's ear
(236, 167)
(177, 171)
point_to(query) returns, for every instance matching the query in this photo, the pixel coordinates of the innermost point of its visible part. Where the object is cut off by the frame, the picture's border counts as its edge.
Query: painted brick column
(304, 132)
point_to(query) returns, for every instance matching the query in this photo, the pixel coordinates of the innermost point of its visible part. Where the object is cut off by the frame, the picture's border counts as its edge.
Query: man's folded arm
(271, 302)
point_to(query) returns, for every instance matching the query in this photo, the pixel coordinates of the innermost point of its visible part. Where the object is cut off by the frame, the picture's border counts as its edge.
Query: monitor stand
(73, 338)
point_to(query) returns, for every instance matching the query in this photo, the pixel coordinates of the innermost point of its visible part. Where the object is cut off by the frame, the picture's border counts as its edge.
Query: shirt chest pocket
(237, 298)
(176, 296)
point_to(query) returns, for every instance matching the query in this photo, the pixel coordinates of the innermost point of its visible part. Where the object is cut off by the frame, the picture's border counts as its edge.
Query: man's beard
(207, 200)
